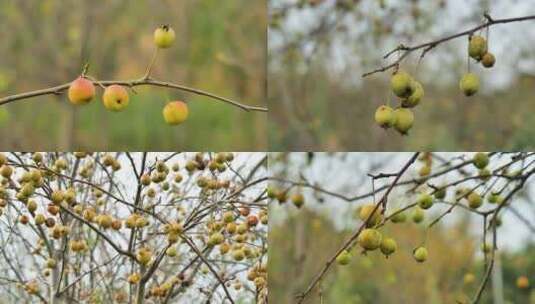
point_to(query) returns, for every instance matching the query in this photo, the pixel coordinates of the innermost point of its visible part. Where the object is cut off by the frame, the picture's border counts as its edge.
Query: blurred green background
(318, 50)
(295, 258)
(220, 48)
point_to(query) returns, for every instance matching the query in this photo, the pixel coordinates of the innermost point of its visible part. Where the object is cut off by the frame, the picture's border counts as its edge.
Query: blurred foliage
(218, 49)
(300, 245)
(320, 48)
(518, 264)
(324, 114)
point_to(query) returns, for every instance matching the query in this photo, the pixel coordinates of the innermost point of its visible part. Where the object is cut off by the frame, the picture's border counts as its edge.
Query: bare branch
(58, 90)
(428, 46)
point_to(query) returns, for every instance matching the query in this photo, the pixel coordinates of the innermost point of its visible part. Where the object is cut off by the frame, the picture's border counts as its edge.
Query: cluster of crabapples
(231, 233)
(410, 93)
(232, 230)
(371, 239)
(473, 198)
(477, 50)
(281, 196)
(115, 97)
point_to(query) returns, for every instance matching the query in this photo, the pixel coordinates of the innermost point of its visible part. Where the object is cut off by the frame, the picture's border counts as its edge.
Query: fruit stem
(149, 68)
(85, 69)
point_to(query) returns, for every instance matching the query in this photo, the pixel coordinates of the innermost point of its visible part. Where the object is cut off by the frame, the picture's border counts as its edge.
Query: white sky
(511, 43)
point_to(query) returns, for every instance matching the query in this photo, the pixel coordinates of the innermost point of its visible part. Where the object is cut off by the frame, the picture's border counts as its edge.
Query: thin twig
(428, 46)
(149, 68)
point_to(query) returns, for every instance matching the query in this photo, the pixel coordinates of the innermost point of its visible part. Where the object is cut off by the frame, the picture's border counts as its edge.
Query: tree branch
(58, 90)
(428, 46)
(355, 235)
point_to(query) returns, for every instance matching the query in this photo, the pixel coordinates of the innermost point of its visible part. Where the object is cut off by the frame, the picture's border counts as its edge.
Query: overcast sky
(511, 43)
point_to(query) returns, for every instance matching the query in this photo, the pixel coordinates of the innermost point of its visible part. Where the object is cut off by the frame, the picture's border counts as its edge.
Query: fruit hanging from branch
(164, 36)
(411, 92)
(81, 91)
(115, 98)
(175, 112)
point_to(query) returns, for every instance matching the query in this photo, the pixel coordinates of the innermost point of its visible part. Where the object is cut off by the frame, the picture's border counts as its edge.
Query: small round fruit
(252, 220)
(51, 263)
(104, 221)
(24, 219)
(32, 206)
(399, 217)
(343, 258)
(40, 219)
(27, 190)
(144, 256)
(57, 197)
(522, 282)
(164, 36)
(401, 84)
(440, 193)
(116, 224)
(417, 215)
(231, 228)
(81, 91)
(420, 254)
(6, 171)
(37, 157)
(488, 60)
(282, 196)
(480, 160)
(469, 278)
(115, 98)
(224, 248)
(134, 278)
(495, 198)
(271, 192)
(485, 174)
(416, 96)
(404, 120)
(370, 239)
(474, 200)
(366, 211)
(216, 239)
(298, 199)
(469, 84)
(477, 47)
(238, 254)
(384, 116)
(228, 217)
(388, 246)
(425, 201)
(486, 248)
(175, 112)
(424, 171)
(145, 179)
